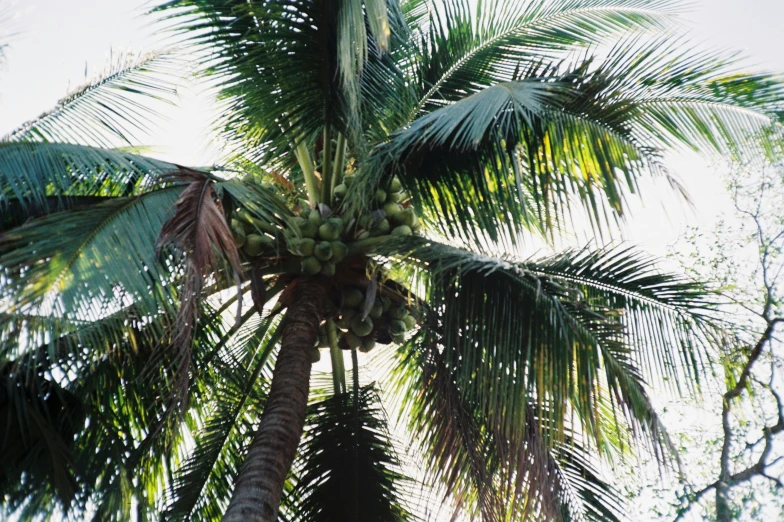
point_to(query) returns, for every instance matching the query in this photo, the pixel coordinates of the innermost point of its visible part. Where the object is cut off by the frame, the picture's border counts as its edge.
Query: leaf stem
(306, 164)
(340, 158)
(326, 168)
(362, 247)
(336, 354)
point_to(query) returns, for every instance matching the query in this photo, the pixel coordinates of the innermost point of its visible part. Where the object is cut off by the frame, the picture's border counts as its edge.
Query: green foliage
(347, 465)
(109, 109)
(496, 118)
(37, 179)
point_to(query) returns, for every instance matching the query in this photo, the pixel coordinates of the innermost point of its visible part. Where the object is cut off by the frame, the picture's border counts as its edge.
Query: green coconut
(348, 179)
(352, 297)
(367, 345)
(398, 312)
(392, 209)
(395, 185)
(376, 310)
(367, 221)
(402, 230)
(410, 321)
(406, 217)
(311, 265)
(364, 235)
(315, 216)
(386, 303)
(299, 222)
(361, 327)
(398, 338)
(340, 191)
(381, 196)
(309, 229)
(382, 227)
(306, 246)
(323, 251)
(339, 251)
(397, 326)
(328, 269)
(315, 356)
(344, 323)
(352, 340)
(254, 244)
(329, 231)
(396, 197)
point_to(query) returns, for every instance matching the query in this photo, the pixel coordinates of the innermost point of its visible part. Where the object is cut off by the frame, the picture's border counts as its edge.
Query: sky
(55, 44)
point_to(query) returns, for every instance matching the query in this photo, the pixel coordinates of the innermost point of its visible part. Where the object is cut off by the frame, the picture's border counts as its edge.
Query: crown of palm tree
(132, 380)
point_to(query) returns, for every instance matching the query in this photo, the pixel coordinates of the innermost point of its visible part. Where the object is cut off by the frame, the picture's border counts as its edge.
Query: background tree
(516, 373)
(741, 410)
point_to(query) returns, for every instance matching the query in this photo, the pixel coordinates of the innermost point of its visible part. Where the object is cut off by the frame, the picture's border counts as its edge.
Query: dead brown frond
(199, 231)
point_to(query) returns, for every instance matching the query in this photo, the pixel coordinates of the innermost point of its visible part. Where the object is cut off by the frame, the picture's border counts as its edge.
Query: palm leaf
(111, 109)
(488, 476)
(465, 48)
(585, 135)
(285, 47)
(523, 331)
(85, 259)
(347, 465)
(38, 178)
(201, 489)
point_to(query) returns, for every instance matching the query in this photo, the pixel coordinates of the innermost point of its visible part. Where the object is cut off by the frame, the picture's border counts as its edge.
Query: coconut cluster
(361, 327)
(318, 240)
(393, 212)
(249, 234)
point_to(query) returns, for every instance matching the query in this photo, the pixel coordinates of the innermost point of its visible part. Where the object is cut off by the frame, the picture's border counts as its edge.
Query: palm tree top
(375, 151)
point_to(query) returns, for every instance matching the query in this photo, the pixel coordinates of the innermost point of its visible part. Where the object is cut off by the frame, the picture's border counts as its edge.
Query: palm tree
(386, 162)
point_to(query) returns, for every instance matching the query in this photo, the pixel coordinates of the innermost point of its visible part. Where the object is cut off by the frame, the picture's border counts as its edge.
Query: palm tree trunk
(256, 496)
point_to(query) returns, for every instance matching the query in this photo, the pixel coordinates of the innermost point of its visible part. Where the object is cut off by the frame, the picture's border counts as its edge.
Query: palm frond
(286, 48)
(585, 134)
(198, 229)
(465, 48)
(202, 486)
(347, 466)
(518, 332)
(486, 474)
(85, 261)
(39, 178)
(110, 109)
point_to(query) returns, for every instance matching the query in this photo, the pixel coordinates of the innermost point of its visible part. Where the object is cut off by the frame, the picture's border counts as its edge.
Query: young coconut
(339, 251)
(392, 209)
(311, 265)
(352, 341)
(328, 269)
(340, 191)
(376, 310)
(402, 230)
(352, 297)
(323, 251)
(255, 243)
(361, 328)
(395, 185)
(345, 319)
(367, 344)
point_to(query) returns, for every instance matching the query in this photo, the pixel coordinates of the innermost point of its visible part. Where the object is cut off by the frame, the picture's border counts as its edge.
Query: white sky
(56, 41)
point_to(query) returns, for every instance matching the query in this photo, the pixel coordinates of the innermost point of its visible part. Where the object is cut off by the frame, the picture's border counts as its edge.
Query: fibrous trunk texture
(257, 493)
